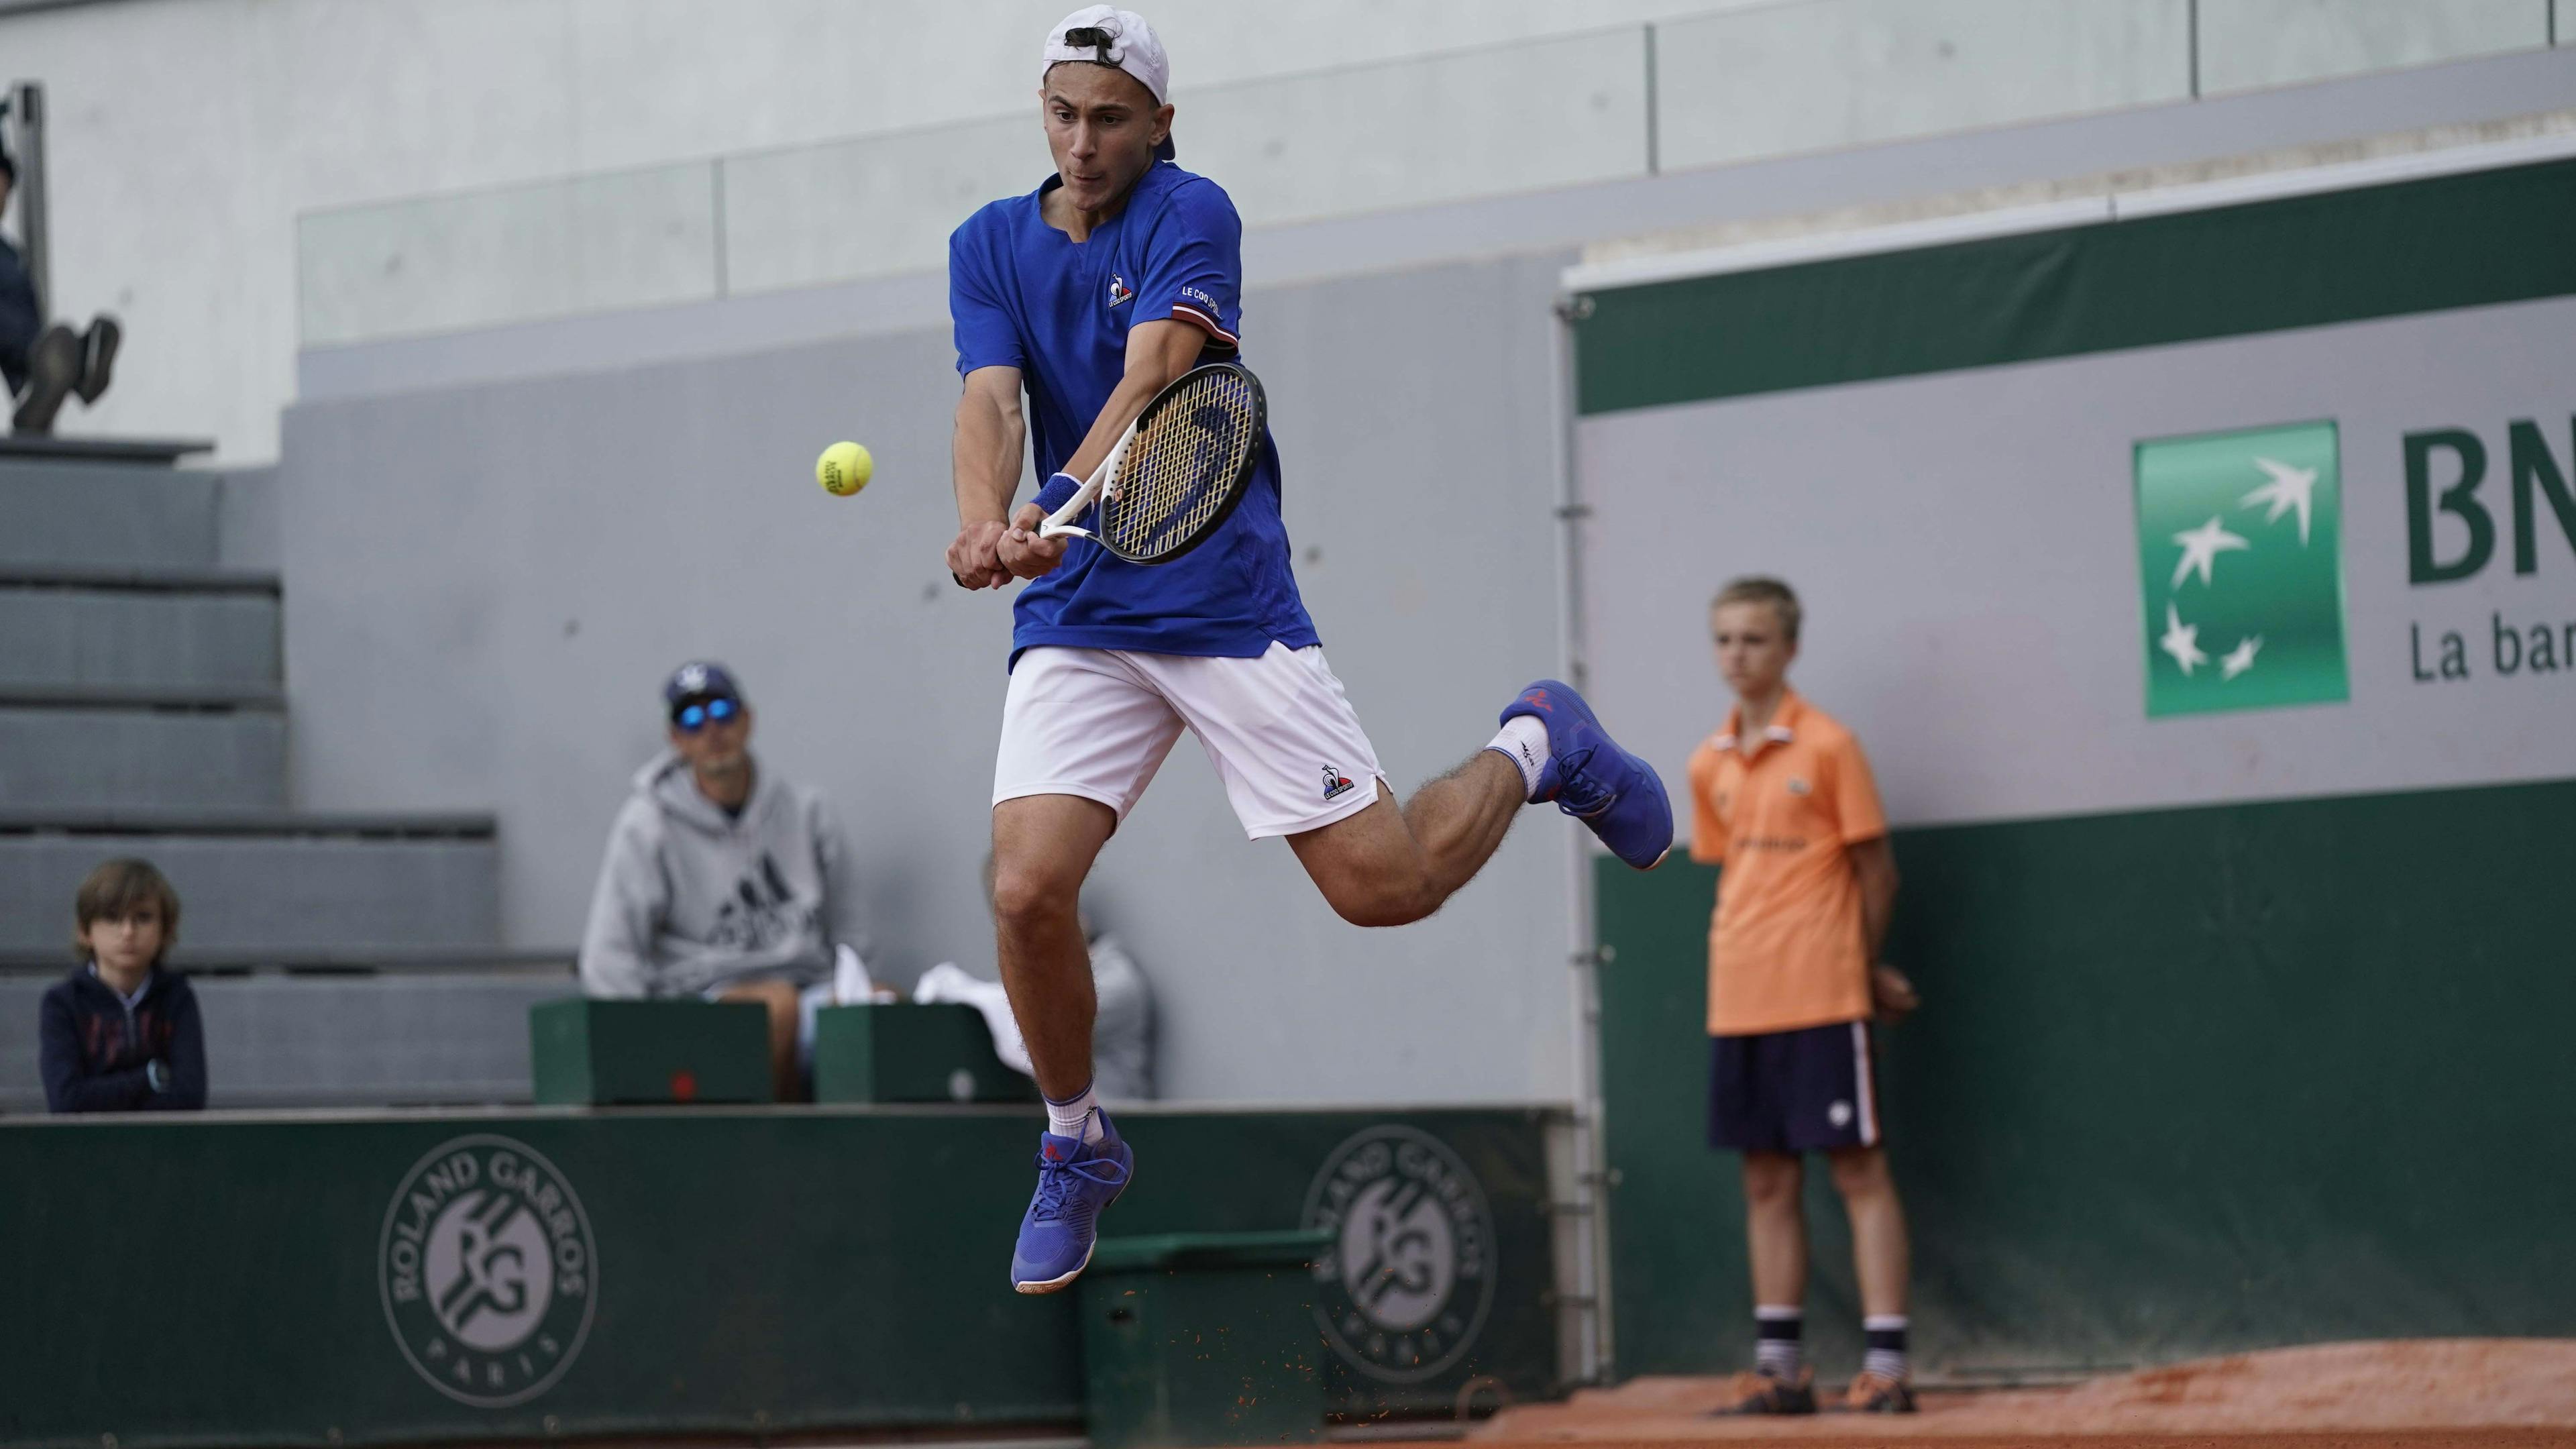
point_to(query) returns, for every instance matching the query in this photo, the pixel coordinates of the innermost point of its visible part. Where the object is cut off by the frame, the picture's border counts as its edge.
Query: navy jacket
(95, 1050)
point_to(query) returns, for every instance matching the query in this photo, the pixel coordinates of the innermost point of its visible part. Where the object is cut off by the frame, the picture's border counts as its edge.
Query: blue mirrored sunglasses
(695, 716)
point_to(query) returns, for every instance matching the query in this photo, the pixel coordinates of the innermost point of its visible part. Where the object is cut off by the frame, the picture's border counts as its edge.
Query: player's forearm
(1125, 401)
(1157, 353)
(986, 451)
(1874, 863)
(1877, 908)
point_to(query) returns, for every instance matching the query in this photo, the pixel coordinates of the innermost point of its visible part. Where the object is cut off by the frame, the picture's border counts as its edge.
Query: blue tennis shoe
(1076, 1179)
(1618, 796)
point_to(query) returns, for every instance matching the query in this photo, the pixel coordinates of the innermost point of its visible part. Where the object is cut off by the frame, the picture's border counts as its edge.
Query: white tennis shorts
(1098, 722)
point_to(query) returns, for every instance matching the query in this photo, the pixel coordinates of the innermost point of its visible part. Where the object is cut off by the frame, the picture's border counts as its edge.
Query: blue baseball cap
(700, 679)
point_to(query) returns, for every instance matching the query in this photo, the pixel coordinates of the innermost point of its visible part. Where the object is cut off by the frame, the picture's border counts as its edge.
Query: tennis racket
(1178, 471)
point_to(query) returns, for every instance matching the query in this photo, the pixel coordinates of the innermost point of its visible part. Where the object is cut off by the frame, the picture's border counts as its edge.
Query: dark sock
(1779, 1347)
(1886, 1346)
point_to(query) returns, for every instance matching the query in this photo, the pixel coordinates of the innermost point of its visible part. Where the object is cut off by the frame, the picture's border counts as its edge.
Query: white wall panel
(2250, 43)
(189, 135)
(1366, 138)
(869, 208)
(1832, 73)
(439, 264)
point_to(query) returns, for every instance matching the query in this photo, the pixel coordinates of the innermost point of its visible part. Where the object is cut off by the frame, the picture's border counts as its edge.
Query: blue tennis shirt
(1025, 295)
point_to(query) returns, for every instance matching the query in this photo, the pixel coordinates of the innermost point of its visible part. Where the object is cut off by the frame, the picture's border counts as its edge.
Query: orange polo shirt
(1786, 946)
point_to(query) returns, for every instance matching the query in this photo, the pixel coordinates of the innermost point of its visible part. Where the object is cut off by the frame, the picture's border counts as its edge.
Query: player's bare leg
(1880, 1253)
(1775, 1227)
(1386, 867)
(1881, 1260)
(1775, 1232)
(1043, 848)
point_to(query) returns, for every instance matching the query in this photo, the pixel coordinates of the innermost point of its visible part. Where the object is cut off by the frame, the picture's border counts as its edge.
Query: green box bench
(911, 1052)
(627, 1053)
(1195, 1339)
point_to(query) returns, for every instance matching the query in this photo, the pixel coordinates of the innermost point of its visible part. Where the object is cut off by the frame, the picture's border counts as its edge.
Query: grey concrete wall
(485, 586)
(287, 1041)
(316, 892)
(55, 637)
(127, 759)
(93, 515)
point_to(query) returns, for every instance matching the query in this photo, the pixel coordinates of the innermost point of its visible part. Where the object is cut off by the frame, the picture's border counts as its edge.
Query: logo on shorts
(1839, 1114)
(488, 1271)
(1120, 294)
(1408, 1280)
(1336, 783)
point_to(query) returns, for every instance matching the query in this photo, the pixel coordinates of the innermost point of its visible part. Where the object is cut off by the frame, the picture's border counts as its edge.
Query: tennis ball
(844, 469)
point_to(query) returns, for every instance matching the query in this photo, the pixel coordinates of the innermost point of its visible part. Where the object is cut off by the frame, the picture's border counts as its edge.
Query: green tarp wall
(2184, 1081)
(220, 1281)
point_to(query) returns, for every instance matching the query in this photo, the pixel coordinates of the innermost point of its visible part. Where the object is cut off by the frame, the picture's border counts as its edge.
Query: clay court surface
(2424, 1394)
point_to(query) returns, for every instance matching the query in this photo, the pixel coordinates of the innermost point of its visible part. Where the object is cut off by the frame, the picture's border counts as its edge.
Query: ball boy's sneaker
(1076, 1179)
(1618, 796)
(1759, 1393)
(1878, 1394)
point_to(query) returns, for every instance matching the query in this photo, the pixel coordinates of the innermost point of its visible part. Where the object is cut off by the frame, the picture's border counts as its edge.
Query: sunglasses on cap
(697, 714)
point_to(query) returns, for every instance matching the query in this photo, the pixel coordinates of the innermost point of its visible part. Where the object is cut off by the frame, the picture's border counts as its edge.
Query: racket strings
(1179, 472)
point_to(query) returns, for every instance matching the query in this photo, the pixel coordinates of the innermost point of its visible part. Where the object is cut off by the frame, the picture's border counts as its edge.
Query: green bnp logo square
(2240, 565)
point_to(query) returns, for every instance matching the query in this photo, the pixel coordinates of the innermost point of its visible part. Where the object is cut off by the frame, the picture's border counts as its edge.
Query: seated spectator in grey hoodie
(722, 881)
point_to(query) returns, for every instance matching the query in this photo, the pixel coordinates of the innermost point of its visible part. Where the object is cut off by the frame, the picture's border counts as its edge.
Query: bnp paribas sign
(2240, 563)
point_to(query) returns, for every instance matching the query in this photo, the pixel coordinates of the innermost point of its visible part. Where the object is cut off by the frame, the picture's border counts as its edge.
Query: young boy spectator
(121, 1034)
(722, 880)
(1786, 808)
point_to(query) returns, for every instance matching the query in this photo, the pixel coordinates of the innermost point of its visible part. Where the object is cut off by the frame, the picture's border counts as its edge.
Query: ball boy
(1784, 804)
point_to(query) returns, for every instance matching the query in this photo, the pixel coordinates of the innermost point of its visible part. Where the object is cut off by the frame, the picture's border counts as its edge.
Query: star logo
(2273, 613)
(2290, 488)
(2181, 640)
(2201, 547)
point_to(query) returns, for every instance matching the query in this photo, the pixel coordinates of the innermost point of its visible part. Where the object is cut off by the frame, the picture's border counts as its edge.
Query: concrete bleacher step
(173, 629)
(452, 1036)
(127, 515)
(265, 881)
(106, 747)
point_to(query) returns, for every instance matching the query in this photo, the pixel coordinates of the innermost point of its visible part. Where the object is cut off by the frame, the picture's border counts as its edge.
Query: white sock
(1779, 1346)
(1524, 743)
(1886, 1355)
(1079, 1117)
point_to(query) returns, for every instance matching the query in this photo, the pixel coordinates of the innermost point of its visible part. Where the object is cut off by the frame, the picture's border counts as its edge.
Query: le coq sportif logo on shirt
(1119, 292)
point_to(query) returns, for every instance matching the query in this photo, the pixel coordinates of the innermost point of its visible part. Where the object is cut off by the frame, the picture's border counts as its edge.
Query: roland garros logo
(1405, 1286)
(488, 1271)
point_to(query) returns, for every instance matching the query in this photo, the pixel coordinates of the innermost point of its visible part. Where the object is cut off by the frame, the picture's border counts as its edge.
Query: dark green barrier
(2185, 1081)
(241, 1281)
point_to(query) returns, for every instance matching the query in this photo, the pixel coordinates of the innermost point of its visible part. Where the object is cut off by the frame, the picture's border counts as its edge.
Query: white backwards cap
(1107, 35)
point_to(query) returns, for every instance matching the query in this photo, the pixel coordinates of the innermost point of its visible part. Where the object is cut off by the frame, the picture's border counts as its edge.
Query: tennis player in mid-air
(1088, 297)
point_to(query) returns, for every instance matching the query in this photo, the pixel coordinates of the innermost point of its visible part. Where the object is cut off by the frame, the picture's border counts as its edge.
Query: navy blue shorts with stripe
(1810, 1090)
